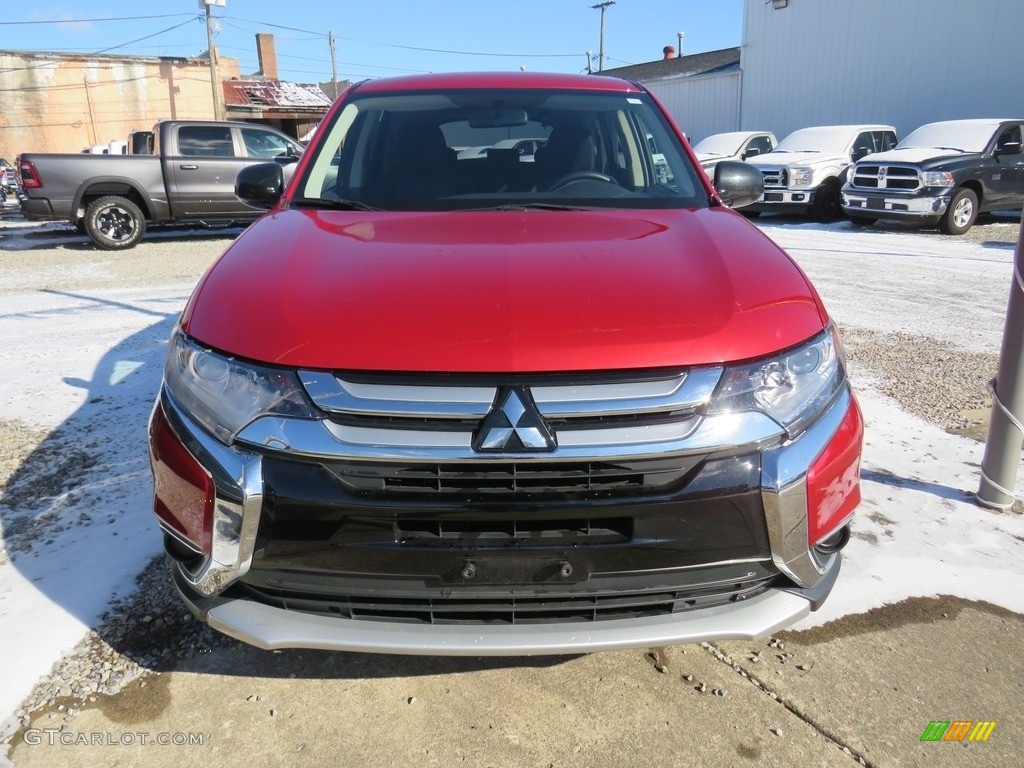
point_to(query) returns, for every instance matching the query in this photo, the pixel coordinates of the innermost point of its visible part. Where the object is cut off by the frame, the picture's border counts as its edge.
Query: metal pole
(218, 113)
(1006, 425)
(600, 55)
(590, 62)
(334, 69)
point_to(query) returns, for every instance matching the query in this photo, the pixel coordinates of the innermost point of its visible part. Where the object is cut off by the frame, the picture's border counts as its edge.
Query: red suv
(450, 402)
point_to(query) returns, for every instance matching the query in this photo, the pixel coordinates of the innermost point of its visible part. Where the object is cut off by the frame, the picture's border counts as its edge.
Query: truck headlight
(223, 394)
(800, 177)
(791, 388)
(937, 178)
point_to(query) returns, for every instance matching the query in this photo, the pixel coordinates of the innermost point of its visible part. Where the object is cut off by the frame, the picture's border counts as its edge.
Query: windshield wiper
(954, 149)
(333, 205)
(538, 207)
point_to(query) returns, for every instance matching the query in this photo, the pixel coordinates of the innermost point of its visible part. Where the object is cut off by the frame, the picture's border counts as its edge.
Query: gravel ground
(123, 648)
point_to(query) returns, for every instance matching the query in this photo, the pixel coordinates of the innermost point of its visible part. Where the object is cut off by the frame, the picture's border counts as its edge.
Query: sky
(383, 38)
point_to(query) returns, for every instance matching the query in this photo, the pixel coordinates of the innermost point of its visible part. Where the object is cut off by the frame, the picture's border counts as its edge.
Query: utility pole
(600, 55)
(334, 69)
(218, 111)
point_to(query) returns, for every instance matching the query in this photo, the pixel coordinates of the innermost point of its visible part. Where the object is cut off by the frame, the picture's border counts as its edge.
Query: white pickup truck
(735, 145)
(806, 172)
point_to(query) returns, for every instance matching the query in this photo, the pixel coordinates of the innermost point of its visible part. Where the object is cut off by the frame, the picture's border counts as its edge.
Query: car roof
(510, 80)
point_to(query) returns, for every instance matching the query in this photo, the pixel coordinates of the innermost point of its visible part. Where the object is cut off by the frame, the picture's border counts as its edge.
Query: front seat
(570, 149)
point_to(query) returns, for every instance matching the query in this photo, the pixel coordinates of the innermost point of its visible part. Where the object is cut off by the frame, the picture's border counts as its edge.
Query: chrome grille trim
(883, 176)
(686, 392)
(336, 395)
(683, 392)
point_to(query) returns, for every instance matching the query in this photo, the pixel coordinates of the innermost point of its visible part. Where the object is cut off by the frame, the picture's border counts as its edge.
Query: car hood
(913, 155)
(771, 159)
(502, 291)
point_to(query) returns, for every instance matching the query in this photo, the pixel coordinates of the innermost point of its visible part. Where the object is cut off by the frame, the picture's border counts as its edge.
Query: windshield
(969, 136)
(825, 140)
(495, 148)
(724, 144)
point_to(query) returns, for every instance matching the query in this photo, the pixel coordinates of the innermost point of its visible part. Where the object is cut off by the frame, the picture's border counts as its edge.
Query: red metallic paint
(182, 489)
(503, 291)
(833, 480)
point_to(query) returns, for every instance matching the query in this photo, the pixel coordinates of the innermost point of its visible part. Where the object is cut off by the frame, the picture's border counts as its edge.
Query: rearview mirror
(498, 117)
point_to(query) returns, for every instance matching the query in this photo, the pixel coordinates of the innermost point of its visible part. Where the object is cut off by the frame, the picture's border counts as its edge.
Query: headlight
(791, 388)
(223, 394)
(800, 177)
(937, 178)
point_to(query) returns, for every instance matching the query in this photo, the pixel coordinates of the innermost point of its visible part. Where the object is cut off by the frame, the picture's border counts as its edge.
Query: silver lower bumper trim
(272, 628)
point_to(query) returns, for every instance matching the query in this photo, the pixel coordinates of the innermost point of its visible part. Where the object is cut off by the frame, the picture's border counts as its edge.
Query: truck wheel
(961, 213)
(114, 223)
(826, 205)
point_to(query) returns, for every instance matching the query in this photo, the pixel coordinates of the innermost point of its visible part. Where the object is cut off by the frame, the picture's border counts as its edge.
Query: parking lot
(925, 623)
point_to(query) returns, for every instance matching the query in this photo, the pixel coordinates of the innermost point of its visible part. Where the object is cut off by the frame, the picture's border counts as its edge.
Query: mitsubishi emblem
(513, 425)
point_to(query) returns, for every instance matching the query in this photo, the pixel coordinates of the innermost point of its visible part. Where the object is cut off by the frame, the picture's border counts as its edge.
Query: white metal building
(897, 62)
(833, 62)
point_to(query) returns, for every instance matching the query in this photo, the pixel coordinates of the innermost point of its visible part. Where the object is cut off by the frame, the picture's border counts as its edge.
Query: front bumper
(218, 591)
(779, 200)
(919, 206)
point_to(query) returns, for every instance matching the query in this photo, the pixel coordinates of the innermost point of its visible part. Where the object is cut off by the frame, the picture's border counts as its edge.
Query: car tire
(114, 223)
(961, 213)
(827, 205)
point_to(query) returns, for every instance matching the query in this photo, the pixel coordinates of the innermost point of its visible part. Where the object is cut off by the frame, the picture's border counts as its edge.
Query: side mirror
(860, 153)
(260, 186)
(737, 183)
(751, 152)
(1008, 148)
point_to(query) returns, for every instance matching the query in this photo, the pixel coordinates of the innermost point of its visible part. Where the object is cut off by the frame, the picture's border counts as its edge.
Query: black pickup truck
(191, 177)
(943, 173)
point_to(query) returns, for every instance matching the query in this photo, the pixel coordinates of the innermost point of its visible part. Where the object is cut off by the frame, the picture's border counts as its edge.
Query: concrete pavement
(858, 691)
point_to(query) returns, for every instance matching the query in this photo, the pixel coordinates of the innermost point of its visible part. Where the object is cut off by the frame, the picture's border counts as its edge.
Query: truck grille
(879, 176)
(774, 177)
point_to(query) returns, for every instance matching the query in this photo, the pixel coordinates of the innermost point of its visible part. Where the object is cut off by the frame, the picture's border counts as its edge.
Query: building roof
(275, 95)
(681, 66)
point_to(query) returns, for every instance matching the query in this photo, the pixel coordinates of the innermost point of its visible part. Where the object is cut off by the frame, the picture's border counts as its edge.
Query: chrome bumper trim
(784, 494)
(238, 479)
(855, 202)
(272, 628)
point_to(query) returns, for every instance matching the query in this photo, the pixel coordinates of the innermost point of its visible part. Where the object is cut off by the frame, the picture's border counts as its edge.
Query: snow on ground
(85, 365)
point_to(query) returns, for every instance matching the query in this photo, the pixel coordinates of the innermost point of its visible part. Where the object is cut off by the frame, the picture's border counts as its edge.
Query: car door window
(205, 141)
(1009, 141)
(885, 141)
(758, 145)
(264, 143)
(864, 145)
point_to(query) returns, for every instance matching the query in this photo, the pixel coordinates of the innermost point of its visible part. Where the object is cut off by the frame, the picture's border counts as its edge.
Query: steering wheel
(569, 178)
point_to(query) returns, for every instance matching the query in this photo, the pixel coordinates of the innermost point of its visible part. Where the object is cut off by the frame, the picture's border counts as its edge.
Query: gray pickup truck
(191, 177)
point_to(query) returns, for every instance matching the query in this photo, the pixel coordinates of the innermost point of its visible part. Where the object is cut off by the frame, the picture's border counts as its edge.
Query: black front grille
(896, 177)
(510, 609)
(522, 533)
(511, 480)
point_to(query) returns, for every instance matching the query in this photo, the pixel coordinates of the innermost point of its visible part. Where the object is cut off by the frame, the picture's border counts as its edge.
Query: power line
(412, 47)
(86, 21)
